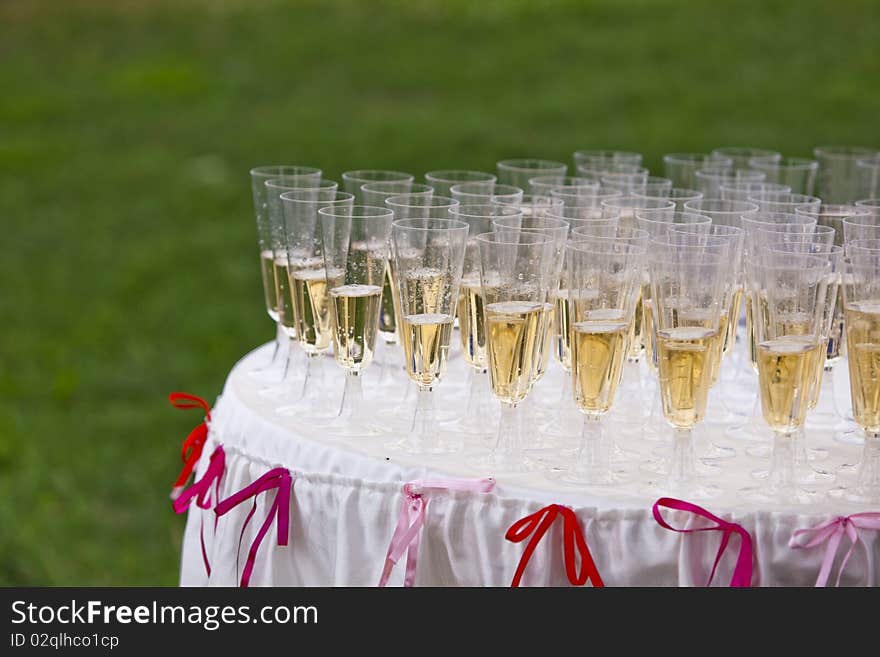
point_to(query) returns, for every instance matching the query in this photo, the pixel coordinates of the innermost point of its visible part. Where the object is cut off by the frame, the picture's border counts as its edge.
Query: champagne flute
(687, 295)
(471, 317)
(442, 180)
(790, 308)
(517, 172)
(860, 294)
(428, 256)
(353, 181)
(837, 180)
(516, 276)
(603, 281)
(259, 176)
(308, 287)
(797, 173)
(681, 168)
(355, 249)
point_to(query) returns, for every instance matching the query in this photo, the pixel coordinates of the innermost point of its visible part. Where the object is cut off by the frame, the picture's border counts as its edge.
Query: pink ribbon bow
(278, 478)
(832, 532)
(742, 573)
(412, 517)
(201, 491)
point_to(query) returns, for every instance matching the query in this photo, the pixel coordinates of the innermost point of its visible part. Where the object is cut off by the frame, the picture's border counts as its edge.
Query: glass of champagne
(797, 173)
(687, 292)
(308, 288)
(603, 282)
(681, 168)
(788, 318)
(517, 172)
(353, 181)
(355, 247)
(861, 295)
(516, 276)
(837, 178)
(259, 176)
(479, 409)
(428, 260)
(442, 180)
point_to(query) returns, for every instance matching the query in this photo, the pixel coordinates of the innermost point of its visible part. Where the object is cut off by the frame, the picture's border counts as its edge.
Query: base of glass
(803, 475)
(857, 494)
(504, 462)
(773, 494)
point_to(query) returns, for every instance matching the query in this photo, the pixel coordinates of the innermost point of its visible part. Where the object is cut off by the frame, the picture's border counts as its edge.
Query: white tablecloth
(347, 496)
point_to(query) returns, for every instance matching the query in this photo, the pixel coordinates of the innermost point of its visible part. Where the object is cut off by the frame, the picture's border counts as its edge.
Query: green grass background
(129, 264)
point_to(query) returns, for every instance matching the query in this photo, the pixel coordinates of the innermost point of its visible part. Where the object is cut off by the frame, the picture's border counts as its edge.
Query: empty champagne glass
(625, 207)
(479, 409)
(868, 177)
(681, 168)
(785, 202)
(428, 259)
(476, 194)
(789, 295)
(516, 276)
(259, 176)
(442, 180)
(627, 181)
(542, 185)
(687, 297)
(861, 295)
(308, 287)
(741, 156)
(352, 181)
(837, 179)
(602, 282)
(375, 193)
(596, 171)
(861, 226)
(796, 173)
(679, 195)
(517, 172)
(355, 240)
(589, 202)
(709, 179)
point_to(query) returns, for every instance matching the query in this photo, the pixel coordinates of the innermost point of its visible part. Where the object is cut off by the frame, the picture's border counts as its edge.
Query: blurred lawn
(126, 132)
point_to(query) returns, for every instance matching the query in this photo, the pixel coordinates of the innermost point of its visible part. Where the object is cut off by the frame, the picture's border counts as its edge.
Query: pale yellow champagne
(862, 321)
(685, 366)
(426, 339)
(648, 331)
(732, 320)
(355, 324)
(470, 322)
(283, 290)
(786, 372)
(636, 331)
(513, 340)
(561, 324)
(543, 352)
(388, 312)
(311, 308)
(718, 348)
(819, 369)
(270, 295)
(598, 347)
(837, 335)
(426, 289)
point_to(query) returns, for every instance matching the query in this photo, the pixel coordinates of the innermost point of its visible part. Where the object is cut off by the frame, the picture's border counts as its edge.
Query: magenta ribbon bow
(201, 491)
(832, 532)
(412, 517)
(278, 478)
(742, 573)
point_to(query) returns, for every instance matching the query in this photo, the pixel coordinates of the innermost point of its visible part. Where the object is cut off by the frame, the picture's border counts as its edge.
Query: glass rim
(437, 224)
(469, 210)
(397, 201)
(873, 202)
(608, 203)
(834, 210)
(844, 151)
(530, 163)
(640, 212)
(509, 190)
(425, 188)
(584, 182)
(739, 151)
(273, 183)
(602, 153)
(496, 238)
(442, 175)
(339, 197)
(789, 163)
(714, 203)
(582, 245)
(356, 212)
(677, 193)
(279, 170)
(561, 223)
(367, 175)
(744, 185)
(689, 158)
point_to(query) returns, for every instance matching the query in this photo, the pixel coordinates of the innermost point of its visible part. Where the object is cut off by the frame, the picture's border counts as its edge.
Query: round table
(347, 495)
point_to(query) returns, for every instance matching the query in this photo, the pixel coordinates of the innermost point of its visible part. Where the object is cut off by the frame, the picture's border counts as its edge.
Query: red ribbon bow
(201, 491)
(191, 450)
(742, 572)
(536, 525)
(278, 478)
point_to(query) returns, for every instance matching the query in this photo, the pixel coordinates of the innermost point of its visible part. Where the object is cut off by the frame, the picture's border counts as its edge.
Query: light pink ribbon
(201, 491)
(412, 517)
(831, 532)
(278, 478)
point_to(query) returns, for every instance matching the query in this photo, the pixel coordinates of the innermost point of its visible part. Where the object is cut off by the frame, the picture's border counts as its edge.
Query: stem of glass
(682, 466)
(782, 461)
(593, 458)
(352, 396)
(424, 434)
(314, 393)
(478, 407)
(869, 471)
(509, 442)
